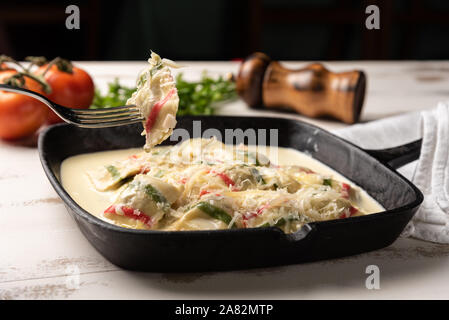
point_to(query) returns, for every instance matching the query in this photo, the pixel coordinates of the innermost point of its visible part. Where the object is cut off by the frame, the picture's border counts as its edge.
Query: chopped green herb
(214, 212)
(154, 194)
(142, 79)
(278, 223)
(258, 176)
(200, 97)
(159, 174)
(116, 96)
(113, 172)
(155, 68)
(327, 182)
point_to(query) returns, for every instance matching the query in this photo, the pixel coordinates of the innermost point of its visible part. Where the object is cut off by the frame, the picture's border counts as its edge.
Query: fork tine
(108, 115)
(108, 124)
(109, 120)
(106, 110)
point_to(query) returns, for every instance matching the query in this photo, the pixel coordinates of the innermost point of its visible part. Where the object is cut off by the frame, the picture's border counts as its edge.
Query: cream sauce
(80, 188)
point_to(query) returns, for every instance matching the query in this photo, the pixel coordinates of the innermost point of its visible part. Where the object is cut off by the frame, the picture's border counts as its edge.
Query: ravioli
(144, 201)
(157, 98)
(110, 176)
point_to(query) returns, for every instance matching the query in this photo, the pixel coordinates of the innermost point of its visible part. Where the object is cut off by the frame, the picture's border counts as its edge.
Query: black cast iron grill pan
(185, 251)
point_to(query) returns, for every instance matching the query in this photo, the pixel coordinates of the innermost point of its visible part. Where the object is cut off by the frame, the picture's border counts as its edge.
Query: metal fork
(86, 118)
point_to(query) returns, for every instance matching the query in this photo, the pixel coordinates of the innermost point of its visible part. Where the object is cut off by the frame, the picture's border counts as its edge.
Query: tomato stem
(18, 80)
(35, 61)
(62, 64)
(4, 58)
(45, 86)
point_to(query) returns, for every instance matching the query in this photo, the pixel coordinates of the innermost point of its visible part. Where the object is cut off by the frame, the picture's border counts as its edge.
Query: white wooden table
(44, 255)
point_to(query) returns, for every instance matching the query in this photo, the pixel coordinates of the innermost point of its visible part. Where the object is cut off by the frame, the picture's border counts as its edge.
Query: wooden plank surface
(43, 255)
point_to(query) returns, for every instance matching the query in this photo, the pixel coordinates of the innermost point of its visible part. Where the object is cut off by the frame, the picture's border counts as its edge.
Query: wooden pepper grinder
(313, 91)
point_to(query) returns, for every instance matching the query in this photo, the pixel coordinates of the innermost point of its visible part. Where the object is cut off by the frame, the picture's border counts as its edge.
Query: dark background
(226, 29)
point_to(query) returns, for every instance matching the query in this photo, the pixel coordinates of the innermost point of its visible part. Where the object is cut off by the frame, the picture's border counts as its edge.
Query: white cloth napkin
(430, 173)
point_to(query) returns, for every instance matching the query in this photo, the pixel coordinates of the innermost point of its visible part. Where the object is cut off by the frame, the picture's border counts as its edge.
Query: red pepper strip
(352, 211)
(145, 169)
(226, 179)
(259, 211)
(203, 192)
(183, 180)
(250, 215)
(345, 188)
(131, 213)
(306, 170)
(156, 109)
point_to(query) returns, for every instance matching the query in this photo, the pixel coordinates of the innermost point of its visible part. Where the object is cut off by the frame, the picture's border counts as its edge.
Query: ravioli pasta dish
(203, 184)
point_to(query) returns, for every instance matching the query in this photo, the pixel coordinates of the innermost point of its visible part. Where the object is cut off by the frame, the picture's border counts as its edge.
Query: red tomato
(20, 115)
(73, 90)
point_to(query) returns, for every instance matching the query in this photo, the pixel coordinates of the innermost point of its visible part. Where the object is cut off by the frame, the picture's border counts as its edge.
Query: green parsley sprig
(116, 96)
(195, 98)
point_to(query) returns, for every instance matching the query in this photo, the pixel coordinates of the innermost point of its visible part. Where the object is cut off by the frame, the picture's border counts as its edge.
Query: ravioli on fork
(157, 98)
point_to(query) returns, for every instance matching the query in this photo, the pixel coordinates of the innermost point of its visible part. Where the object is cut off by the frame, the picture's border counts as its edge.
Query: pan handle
(398, 156)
